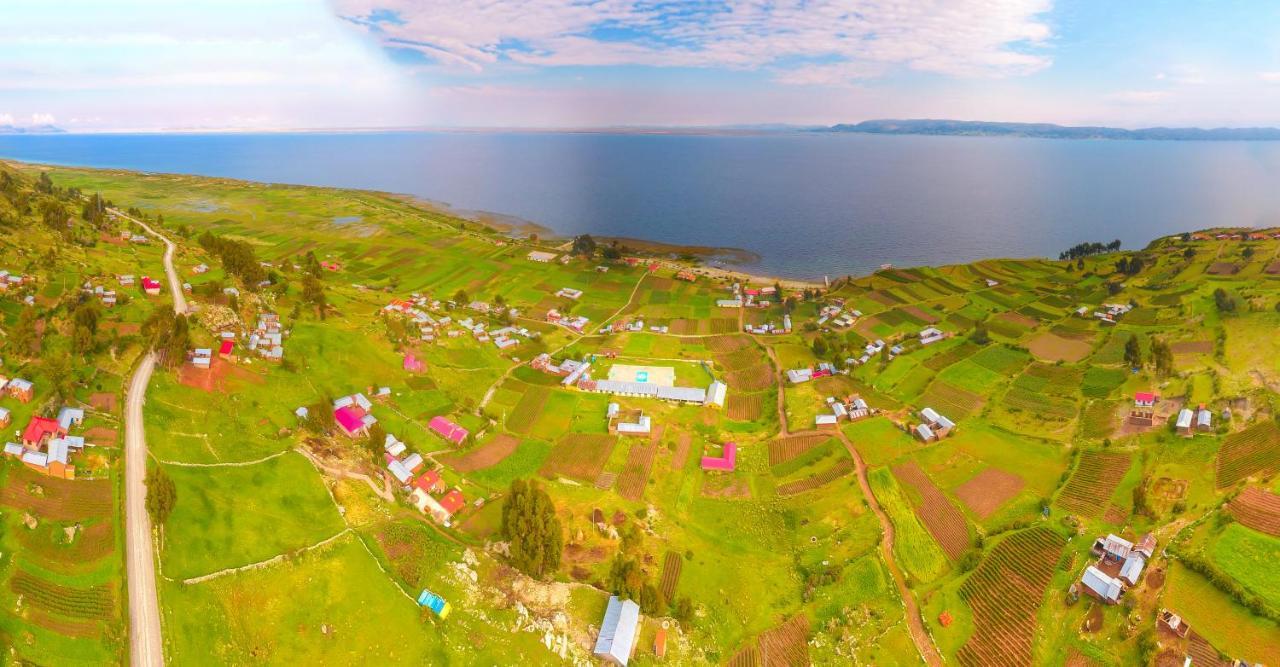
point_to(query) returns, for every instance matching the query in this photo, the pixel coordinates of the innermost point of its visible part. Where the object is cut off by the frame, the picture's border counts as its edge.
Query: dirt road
(146, 645)
(924, 643)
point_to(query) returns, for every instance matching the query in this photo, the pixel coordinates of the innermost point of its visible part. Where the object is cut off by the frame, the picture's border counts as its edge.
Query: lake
(808, 204)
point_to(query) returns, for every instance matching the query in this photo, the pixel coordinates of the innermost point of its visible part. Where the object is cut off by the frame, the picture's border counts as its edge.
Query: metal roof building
(1104, 586)
(618, 631)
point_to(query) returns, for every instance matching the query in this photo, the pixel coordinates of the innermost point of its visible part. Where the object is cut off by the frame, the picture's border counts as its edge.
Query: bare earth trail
(924, 643)
(146, 646)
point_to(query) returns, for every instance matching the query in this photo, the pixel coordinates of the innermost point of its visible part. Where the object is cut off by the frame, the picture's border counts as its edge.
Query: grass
(233, 516)
(1218, 618)
(1250, 558)
(915, 549)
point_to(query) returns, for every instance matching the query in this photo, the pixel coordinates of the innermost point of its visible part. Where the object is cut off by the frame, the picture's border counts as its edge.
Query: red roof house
(429, 481)
(41, 428)
(1144, 399)
(448, 430)
(726, 462)
(150, 286)
(224, 350)
(452, 501)
(413, 364)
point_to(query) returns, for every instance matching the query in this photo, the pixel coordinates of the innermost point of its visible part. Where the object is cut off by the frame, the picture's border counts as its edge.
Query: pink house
(150, 286)
(351, 419)
(725, 462)
(413, 364)
(448, 430)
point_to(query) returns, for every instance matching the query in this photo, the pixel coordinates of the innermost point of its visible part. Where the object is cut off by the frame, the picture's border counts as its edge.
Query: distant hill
(34, 129)
(1050, 131)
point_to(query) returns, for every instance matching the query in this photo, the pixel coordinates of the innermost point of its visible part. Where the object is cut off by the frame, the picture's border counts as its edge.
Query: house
(1183, 425)
(200, 268)
(569, 293)
(448, 430)
(412, 462)
(716, 394)
(302, 413)
(729, 303)
(640, 426)
(826, 421)
(1132, 568)
(413, 364)
(397, 469)
(1173, 623)
(660, 643)
(799, 375)
(930, 335)
(1146, 546)
(393, 446)
(939, 425)
(686, 275)
(429, 482)
(1102, 586)
(41, 430)
(618, 631)
(1143, 412)
(452, 502)
(150, 286)
(23, 390)
(351, 420)
(1112, 547)
(435, 603)
(925, 433)
(1204, 420)
(201, 357)
(68, 417)
(726, 462)
(543, 257)
(225, 348)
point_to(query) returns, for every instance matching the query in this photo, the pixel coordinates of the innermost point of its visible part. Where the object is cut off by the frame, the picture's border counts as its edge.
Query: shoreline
(666, 253)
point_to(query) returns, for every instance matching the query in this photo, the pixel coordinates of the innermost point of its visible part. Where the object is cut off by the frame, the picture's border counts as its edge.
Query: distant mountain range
(971, 128)
(34, 129)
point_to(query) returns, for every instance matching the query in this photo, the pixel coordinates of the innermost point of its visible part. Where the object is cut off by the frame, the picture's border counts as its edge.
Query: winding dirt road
(924, 643)
(146, 645)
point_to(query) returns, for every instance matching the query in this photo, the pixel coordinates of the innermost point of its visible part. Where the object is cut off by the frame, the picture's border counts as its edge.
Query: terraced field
(1249, 452)
(1005, 592)
(944, 521)
(1095, 478)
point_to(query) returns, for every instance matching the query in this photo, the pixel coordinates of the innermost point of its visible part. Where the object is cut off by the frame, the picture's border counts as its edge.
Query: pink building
(413, 364)
(350, 419)
(725, 462)
(448, 430)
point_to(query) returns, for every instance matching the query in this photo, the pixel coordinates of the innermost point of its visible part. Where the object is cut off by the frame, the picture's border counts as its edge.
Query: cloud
(1139, 96)
(804, 42)
(43, 119)
(1269, 77)
(6, 119)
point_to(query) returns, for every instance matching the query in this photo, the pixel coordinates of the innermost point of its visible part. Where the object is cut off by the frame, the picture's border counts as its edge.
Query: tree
(629, 581)
(1226, 302)
(584, 245)
(460, 298)
(819, 346)
(980, 334)
(1161, 357)
(23, 339)
(530, 524)
(313, 293)
(162, 495)
(1133, 352)
(611, 252)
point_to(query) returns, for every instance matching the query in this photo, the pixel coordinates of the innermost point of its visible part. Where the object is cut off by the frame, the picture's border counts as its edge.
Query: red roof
(452, 501)
(349, 418)
(1144, 397)
(428, 481)
(226, 347)
(39, 427)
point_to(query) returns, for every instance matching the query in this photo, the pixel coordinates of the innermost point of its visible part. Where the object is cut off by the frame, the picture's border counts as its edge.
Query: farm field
(297, 536)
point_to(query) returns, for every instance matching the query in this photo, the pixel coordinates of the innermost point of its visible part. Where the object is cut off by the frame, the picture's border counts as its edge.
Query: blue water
(808, 204)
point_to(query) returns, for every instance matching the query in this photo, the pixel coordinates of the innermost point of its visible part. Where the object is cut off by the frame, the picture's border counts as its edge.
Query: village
(981, 414)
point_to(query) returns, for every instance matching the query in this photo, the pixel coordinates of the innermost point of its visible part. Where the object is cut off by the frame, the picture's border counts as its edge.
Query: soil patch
(489, 454)
(1052, 347)
(988, 491)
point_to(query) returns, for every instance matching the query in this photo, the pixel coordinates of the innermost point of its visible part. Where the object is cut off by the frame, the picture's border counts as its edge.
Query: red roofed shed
(452, 501)
(40, 428)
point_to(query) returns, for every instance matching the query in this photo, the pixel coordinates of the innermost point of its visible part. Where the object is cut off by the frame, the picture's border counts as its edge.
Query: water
(808, 204)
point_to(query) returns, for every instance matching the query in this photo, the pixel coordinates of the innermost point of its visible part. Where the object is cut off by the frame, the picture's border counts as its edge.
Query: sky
(158, 65)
